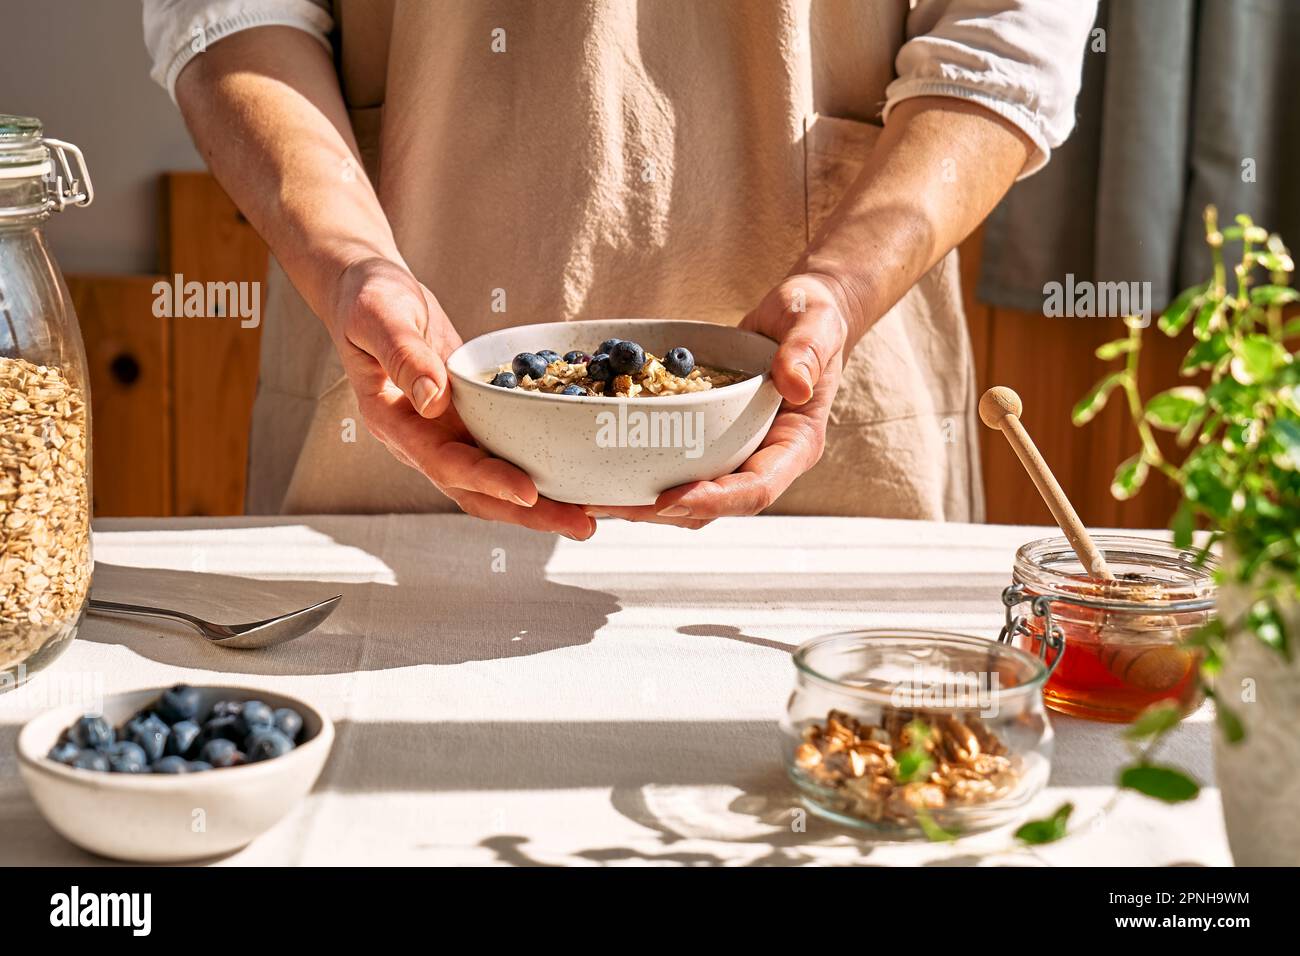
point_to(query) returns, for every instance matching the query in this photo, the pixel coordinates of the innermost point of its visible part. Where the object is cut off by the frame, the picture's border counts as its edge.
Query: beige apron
(622, 158)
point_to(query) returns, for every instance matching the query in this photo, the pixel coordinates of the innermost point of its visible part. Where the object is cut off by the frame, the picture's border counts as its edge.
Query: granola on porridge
(617, 368)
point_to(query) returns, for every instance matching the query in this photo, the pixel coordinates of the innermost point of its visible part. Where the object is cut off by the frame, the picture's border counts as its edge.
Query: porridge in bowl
(617, 368)
(671, 401)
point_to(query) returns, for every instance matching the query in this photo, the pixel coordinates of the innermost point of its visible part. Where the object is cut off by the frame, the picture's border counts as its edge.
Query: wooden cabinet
(172, 395)
(129, 354)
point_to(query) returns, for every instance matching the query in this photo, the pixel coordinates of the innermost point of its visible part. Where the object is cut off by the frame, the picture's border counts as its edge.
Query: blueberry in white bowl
(122, 799)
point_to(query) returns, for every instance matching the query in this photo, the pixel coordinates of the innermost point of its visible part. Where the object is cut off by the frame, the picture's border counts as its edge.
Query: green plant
(1240, 478)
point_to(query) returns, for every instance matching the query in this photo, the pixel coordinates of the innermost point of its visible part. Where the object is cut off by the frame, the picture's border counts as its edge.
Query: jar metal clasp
(1017, 624)
(71, 178)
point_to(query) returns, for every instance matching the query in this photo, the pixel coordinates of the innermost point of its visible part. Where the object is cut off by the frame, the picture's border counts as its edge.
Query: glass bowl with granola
(625, 408)
(917, 734)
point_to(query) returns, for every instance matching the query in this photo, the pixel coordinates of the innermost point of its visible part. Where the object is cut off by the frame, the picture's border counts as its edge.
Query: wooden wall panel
(1050, 363)
(128, 350)
(214, 359)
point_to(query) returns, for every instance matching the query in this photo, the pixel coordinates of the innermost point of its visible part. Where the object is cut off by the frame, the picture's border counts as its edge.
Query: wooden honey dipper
(1152, 667)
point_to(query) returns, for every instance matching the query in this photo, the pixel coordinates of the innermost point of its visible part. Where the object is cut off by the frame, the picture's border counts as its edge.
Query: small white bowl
(617, 451)
(167, 818)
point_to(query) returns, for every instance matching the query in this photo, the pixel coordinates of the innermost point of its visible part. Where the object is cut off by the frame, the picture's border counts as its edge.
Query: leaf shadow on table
(701, 793)
(439, 606)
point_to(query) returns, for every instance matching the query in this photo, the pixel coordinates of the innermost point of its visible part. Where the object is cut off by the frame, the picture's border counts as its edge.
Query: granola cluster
(617, 368)
(652, 379)
(45, 563)
(964, 763)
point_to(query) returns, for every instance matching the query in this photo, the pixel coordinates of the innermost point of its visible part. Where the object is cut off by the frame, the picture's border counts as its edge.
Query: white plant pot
(1259, 778)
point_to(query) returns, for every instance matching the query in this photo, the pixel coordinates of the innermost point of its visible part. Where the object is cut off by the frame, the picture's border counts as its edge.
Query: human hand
(806, 314)
(393, 338)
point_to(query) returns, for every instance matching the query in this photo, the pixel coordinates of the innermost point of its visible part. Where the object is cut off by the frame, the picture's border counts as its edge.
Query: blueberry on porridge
(618, 368)
(679, 362)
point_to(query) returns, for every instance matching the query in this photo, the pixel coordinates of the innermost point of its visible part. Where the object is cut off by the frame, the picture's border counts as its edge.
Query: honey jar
(1123, 644)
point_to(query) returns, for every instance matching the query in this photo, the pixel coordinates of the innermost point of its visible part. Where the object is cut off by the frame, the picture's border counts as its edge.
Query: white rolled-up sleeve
(1022, 59)
(176, 31)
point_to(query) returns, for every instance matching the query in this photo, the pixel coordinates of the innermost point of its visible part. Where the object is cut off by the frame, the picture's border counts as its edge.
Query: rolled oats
(45, 564)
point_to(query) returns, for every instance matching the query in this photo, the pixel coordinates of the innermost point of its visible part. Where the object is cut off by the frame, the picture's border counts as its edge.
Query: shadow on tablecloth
(442, 604)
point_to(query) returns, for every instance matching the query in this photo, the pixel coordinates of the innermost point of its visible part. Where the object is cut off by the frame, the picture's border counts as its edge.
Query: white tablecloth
(505, 697)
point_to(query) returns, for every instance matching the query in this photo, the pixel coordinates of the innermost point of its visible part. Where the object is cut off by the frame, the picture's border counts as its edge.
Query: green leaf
(1265, 622)
(1205, 353)
(1276, 261)
(1205, 484)
(1163, 783)
(1209, 638)
(1129, 477)
(1116, 348)
(1092, 403)
(1192, 427)
(1286, 433)
(1257, 358)
(1170, 410)
(1048, 830)
(1273, 295)
(1180, 310)
(1206, 318)
(914, 761)
(1154, 721)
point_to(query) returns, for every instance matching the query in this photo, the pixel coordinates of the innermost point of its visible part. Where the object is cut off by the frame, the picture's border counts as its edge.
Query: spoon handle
(1000, 408)
(140, 610)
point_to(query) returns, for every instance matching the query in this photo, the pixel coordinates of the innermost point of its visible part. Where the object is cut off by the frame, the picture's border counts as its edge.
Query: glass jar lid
(1150, 574)
(38, 174)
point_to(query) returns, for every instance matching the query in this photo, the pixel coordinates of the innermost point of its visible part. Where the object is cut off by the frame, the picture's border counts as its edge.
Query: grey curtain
(1191, 102)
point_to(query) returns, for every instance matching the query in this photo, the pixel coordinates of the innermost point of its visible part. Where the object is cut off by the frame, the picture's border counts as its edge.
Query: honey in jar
(1126, 640)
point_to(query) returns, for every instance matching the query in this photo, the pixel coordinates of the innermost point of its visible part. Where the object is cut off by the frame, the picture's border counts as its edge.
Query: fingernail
(516, 500)
(675, 511)
(805, 372)
(422, 393)
(593, 513)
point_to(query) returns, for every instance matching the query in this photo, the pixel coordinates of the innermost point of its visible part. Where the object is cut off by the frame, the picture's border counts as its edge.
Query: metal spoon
(268, 633)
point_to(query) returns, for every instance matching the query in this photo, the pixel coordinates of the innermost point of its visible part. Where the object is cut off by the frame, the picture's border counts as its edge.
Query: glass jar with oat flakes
(45, 559)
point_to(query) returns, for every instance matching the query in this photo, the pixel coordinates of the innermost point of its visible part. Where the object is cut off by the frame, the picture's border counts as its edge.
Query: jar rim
(1172, 575)
(1037, 669)
(22, 145)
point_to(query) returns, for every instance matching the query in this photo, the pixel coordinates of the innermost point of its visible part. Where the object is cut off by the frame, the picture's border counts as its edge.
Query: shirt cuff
(187, 43)
(1023, 118)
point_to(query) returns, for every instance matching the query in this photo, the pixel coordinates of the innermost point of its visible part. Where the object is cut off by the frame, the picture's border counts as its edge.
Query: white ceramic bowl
(166, 818)
(617, 451)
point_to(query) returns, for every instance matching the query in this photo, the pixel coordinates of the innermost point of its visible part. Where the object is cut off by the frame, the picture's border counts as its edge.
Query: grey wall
(81, 66)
